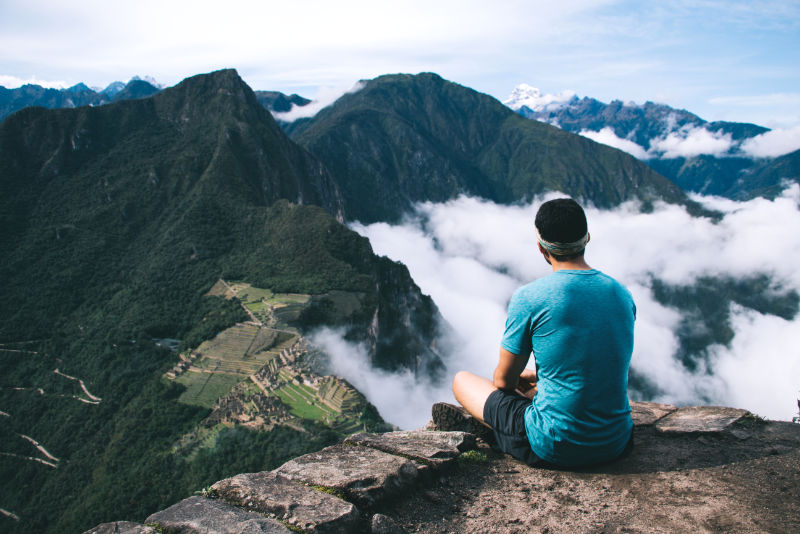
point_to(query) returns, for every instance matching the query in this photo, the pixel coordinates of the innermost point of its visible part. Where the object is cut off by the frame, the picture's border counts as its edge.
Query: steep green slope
(403, 139)
(115, 221)
(769, 178)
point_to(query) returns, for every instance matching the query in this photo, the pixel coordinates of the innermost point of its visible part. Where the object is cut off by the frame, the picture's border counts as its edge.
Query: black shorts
(505, 413)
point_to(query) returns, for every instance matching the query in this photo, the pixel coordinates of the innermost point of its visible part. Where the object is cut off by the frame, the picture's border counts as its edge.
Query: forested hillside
(116, 221)
(408, 138)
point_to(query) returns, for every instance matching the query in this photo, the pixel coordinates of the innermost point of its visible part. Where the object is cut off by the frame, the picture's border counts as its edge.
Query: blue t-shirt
(579, 326)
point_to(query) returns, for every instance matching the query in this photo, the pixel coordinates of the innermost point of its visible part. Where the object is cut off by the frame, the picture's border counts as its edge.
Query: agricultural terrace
(229, 358)
(219, 366)
(272, 309)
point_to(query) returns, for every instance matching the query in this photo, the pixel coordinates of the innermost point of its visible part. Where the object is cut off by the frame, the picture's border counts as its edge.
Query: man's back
(579, 326)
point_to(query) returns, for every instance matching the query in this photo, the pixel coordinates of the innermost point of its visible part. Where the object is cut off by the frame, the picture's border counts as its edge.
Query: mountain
(116, 222)
(136, 89)
(699, 156)
(112, 89)
(770, 177)
(410, 138)
(642, 124)
(78, 95)
(278, 102)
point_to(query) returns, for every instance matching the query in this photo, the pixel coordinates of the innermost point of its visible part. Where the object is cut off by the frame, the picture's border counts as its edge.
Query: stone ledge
(369, 469)
(364, 475)
(704, 419)
(121, 527)
(423, 446)
(198, 515)
(647, 413)
(293, 502)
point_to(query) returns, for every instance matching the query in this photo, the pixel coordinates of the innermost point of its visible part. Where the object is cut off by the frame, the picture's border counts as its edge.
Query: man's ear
(588, 237)
(542, 249)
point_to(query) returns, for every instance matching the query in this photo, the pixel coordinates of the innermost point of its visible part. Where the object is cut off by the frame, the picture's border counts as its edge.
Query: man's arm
(509, 368)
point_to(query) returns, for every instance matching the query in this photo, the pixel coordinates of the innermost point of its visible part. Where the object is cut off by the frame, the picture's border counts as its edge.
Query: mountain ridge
(658, 131)
(12, 100)
(116, 220)
(408, 138)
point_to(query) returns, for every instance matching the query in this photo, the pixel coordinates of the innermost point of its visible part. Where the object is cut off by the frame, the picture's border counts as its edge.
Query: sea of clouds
(691, 141)
(471, 254)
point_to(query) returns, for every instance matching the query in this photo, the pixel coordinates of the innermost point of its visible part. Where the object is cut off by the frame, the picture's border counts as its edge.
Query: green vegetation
(472, 457)
(204, 389)
(404, 139)
(116, 221)
(301, 406)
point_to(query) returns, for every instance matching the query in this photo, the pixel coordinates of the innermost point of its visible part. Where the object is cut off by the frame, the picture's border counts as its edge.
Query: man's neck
(577, 264)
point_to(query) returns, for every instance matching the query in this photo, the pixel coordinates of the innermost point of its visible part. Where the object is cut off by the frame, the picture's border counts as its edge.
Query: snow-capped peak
(149, 79)
(532, 98)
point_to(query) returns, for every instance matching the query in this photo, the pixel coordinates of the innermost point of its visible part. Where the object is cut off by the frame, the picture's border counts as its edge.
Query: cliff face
(706, 469)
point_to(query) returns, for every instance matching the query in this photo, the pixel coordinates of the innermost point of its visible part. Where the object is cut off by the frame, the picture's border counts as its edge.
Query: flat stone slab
(364, 475)
(429, 446)
(700, 419)
(121, 527)
(647, 413)
(293, 502)
(197, 515)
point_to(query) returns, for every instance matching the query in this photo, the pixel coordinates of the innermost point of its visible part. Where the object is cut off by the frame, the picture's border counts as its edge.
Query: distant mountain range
(707, 157)
(78, 95)
(699, 156)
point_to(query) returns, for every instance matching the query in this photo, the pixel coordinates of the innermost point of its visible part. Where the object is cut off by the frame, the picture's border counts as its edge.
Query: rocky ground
(669, 483)
(693, 469)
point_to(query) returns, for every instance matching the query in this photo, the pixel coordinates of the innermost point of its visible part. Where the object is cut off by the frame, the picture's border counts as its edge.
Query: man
(578, 322)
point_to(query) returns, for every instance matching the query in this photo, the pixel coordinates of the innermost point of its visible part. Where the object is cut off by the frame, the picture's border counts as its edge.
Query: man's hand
(527, 383)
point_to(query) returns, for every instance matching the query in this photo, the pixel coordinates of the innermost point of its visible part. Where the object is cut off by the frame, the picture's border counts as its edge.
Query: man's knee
(459, 380)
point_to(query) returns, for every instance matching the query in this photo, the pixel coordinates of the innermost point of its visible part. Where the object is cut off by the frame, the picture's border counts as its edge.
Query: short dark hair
(561, 221)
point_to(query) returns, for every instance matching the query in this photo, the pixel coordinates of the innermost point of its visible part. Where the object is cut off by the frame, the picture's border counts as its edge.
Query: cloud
(400, 398)
(773, 143)
(470, 255)
(325, 97)
(12, 82)
(692, 141)
(607, 136)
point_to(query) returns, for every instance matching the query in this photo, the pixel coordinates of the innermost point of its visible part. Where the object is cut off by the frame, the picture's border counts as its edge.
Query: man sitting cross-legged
(578, 322)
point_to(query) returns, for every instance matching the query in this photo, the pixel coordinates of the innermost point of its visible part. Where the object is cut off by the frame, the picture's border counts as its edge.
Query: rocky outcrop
(708, 469)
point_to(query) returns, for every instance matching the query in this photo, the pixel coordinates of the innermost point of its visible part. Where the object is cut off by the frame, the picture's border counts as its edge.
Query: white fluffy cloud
(773, 143)
(470, 255)
(607, 136)
(695, 141)
(689, 142)
(12, 82)
(325, 97)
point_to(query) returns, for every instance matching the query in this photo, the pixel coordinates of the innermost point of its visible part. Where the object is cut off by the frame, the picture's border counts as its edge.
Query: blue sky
(723, 60)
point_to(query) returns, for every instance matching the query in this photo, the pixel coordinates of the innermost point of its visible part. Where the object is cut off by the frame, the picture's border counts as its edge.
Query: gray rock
(363, 474)
(700, 419)
(383, 524)
(647, 413)
(293, 502)
(427, 446)
(121, 527)
(208, 516)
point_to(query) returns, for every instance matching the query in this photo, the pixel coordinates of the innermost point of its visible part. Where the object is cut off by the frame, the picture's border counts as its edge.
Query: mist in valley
(469, 255)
